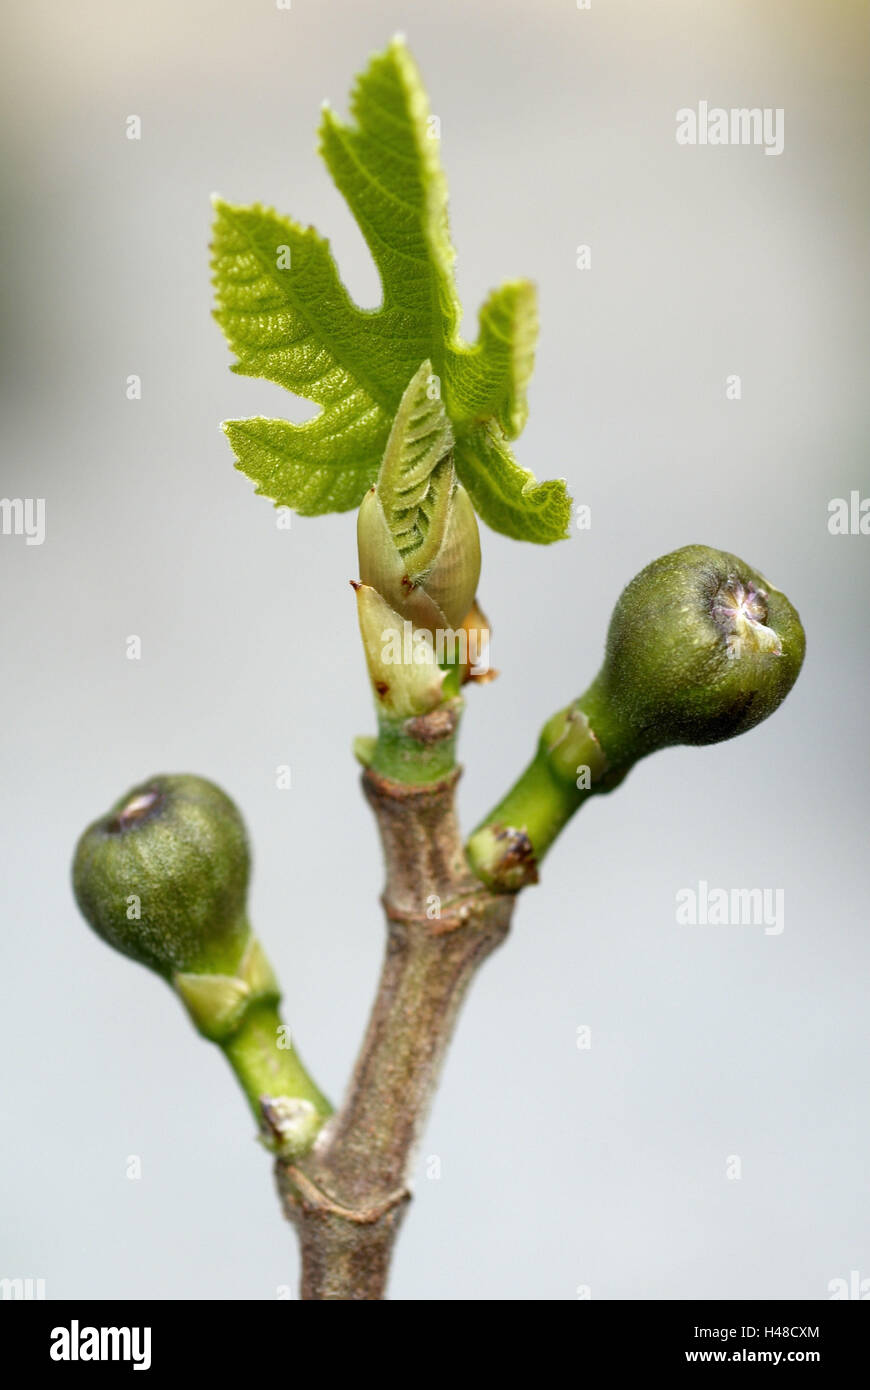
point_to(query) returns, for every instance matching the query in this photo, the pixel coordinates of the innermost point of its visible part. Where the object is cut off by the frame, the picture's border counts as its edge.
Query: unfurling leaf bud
(701, 647)
(475, 666)
(404, 673)
(419, 544)
(163, 877)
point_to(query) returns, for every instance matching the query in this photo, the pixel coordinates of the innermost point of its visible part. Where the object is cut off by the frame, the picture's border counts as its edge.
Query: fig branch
(414, 430)
(348, 1196)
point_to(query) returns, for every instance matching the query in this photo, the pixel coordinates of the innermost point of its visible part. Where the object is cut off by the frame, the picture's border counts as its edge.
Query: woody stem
(348, 1194)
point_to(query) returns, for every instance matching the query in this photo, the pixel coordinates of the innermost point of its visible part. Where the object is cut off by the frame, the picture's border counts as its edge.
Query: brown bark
(348, 1195)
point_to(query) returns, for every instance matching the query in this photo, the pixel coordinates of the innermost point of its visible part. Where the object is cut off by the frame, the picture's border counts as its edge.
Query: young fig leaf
(288, 318)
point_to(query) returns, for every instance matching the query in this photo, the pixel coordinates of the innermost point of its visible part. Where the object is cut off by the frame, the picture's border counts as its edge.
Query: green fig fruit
(700, 648)
(163, 877)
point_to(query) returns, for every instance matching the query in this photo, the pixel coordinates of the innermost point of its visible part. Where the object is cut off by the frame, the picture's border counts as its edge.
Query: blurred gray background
(560, 1168)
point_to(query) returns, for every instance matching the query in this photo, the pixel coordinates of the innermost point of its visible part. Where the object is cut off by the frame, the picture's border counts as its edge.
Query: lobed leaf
(289, 319)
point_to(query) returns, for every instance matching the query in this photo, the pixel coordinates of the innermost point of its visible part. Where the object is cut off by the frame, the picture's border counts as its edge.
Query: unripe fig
(700, 647)
(163, 877)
